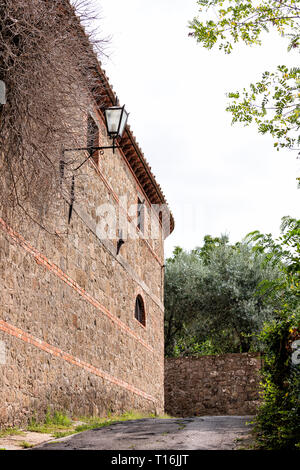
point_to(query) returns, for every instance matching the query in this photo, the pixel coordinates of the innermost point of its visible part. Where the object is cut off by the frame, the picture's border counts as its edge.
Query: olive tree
(215, 300)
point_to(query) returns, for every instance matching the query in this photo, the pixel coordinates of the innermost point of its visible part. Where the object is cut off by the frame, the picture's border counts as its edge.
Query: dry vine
(48, 65)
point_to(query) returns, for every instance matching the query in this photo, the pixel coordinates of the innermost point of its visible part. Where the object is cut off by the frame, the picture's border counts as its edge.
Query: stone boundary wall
(212, 385)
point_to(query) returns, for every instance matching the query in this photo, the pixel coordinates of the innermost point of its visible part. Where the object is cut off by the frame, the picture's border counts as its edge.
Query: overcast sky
(217, 178)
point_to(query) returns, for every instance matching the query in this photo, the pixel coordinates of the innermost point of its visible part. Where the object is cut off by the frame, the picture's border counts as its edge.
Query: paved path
(203, 433)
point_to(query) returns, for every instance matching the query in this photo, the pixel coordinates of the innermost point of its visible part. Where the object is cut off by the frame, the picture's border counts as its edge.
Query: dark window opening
(140, 310)
(93, 137)
(140, 215)
(160, 217)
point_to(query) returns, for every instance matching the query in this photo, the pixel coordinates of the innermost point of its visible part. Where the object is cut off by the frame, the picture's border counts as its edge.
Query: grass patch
(26, 445)
(94, 423)
(11, 432)
(51, 424)
(59, 434)
(138, 415)
(59, 425)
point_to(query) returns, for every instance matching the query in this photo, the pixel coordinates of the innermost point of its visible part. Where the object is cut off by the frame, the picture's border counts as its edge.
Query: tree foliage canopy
(273, 103)
(285, 253)
(231, 21)
(212, 298)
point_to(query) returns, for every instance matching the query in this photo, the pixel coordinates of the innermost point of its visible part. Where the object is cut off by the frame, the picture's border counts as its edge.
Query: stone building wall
(212, 385)
(68, 335)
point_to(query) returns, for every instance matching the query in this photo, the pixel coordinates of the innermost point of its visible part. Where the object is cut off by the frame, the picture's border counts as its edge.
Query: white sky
(217, 178)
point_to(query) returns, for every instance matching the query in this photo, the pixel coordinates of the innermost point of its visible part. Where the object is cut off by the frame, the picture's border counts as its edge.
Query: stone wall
(212, 385)
(68, 334)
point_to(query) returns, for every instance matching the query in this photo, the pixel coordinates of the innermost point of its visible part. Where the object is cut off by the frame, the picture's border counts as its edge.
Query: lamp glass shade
(116, 118)
(123, 122)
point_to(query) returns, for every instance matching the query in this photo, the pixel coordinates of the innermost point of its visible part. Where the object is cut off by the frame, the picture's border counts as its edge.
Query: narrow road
(201, 433)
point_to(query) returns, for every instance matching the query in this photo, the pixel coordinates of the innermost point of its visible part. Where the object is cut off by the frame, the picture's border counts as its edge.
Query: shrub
(277, 424)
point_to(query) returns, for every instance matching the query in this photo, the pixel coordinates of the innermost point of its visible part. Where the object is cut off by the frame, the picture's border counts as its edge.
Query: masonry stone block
(214, 385)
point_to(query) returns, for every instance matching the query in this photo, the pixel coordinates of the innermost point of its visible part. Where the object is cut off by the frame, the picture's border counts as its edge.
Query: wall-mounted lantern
(115, 121)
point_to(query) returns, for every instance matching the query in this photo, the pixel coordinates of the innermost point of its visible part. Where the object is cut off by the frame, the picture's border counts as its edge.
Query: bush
(277, 424)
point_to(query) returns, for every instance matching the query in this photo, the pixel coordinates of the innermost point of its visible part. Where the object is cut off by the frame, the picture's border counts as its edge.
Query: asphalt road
(199, 433)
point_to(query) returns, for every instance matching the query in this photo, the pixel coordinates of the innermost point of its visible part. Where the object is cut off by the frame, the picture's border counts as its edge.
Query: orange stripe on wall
(54, 351)
(42, 260)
